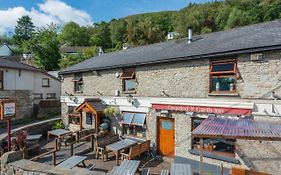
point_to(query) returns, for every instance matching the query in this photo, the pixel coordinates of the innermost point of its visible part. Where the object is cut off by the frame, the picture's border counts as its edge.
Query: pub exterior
(165, 90)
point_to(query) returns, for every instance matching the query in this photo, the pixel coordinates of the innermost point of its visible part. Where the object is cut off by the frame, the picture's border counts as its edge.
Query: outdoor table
(72, 162)
(127, 167)
(57, 133)
(118, 146)
(181, 169)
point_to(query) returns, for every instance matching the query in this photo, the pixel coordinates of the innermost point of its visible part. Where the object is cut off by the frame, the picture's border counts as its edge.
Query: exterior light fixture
(164, 113)
(190, 114)
(117, 74)
(130, 98)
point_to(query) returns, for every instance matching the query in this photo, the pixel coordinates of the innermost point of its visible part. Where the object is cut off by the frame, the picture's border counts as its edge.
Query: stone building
(165, 90)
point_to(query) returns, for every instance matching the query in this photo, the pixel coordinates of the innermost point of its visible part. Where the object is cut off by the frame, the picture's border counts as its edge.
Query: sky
(83, 12)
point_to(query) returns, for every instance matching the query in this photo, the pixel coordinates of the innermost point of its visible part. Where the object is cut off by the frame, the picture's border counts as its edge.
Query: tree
(101, 35)
(23, 30)
(118, 31)
(74, 35)
(45, 48)
(71, 59)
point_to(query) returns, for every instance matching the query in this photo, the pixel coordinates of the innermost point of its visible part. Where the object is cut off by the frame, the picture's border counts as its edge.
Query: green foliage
(71, 59)
(100, 35)
(58, 125)
(74, 35)
(24, 30)
(6, 39)
(45, 48)
(111, 111)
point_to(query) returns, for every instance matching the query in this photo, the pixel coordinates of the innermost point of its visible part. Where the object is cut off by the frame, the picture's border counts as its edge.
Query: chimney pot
(190, 32)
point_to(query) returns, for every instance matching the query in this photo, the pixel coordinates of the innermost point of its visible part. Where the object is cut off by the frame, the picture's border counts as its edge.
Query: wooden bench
(164, 172)
(102, 143)
(136, 150)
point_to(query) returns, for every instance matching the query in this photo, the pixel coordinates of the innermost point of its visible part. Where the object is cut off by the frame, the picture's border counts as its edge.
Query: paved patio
(82, 148)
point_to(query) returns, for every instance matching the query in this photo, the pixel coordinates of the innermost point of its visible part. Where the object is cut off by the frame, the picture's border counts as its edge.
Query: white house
(27, 84)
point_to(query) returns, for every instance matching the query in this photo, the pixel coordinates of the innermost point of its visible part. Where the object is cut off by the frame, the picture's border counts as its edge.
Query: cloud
(51, 11)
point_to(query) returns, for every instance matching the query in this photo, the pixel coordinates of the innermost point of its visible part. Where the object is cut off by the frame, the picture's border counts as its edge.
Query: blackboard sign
(89, 118)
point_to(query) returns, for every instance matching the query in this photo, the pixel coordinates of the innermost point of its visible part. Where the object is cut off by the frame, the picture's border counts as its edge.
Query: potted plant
(111, 111)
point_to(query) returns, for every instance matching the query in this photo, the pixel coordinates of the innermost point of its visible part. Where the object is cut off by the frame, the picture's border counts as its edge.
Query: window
(45, 82)
(223, 76)
(224, 147)
(128, 80)
(51, 96)
(1, 80)
(37, 96)
(78, 83)
(134, 124)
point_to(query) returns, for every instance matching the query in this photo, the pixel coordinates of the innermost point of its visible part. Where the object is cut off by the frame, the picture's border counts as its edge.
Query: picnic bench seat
(102, 143)
(136, 150)
(164, 172)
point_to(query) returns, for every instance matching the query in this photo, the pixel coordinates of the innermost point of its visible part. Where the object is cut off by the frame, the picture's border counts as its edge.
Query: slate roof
(6, 63)
(252, 38)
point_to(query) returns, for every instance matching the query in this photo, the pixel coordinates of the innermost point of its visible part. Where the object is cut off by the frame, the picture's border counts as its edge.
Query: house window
(51, 96)
(78, 83)
(223, 147)
(128, 80)
(1, 80)
(223, 75)
(134, 124)
(37, 96)
(45, 82)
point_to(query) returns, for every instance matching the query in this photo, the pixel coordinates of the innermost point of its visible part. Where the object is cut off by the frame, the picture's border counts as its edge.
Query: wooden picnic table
(119, 146)
(57, 133)
(127, 167)
(181, 169)
(72, 162)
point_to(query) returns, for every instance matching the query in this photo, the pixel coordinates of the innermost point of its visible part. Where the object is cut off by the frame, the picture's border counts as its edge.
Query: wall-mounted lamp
(130, 99)
(117, 74)
(164, 112)
(190, 114)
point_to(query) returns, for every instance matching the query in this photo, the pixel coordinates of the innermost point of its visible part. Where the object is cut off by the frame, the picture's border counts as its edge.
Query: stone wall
(26, 167)
(24, 102)
(182, 137)
(186, 79)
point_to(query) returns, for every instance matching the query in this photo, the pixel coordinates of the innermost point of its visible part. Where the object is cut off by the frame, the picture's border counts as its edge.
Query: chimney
(189, 31)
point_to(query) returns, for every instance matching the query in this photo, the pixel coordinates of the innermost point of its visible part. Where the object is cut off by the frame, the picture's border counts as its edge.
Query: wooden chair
(165, 172)
(145, 171)
(136, 150)
(100, 149)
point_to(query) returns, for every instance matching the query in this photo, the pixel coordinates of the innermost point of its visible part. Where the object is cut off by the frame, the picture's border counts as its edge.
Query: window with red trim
(223, 76)
(128, 80)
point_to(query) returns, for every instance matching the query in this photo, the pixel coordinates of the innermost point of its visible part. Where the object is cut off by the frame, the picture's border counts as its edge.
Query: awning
(238, 128)
(131, 118)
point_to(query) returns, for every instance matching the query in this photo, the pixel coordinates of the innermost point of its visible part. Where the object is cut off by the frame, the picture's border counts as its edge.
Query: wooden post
(54, 157)
(201, 157)
(92, 142)
(9, 133)
(71, 149)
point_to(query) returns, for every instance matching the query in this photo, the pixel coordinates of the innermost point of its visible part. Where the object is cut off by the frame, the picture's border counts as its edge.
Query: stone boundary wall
(34, 128)
(25, 167)
(24, 101)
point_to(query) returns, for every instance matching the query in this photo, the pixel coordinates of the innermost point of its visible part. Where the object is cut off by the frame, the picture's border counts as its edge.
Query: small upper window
(223, 76)
(1, 80)
(78, 83)
(129, 80)
(45, 82)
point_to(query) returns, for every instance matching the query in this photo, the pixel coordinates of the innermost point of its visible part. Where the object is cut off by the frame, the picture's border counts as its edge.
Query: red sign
(203, 109)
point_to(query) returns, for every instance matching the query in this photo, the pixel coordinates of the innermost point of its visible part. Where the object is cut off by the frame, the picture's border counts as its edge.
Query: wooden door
(166, 136)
